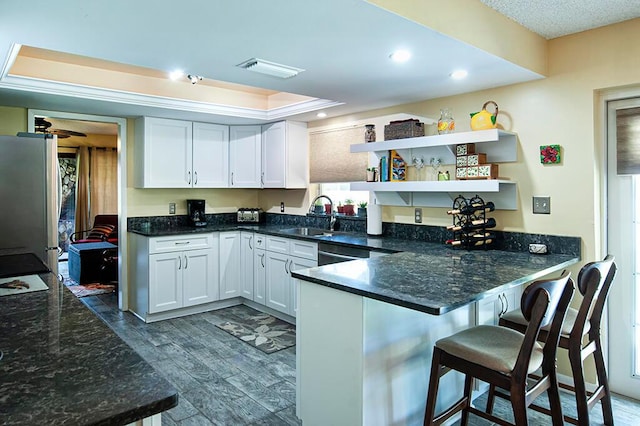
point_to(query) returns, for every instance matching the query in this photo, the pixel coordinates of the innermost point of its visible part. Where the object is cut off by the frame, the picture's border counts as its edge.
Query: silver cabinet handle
(181, 243)
(231, 178)
(506, 302)
(285, 266)
(179, 262)
(250, 238)
(195, 177)
(262, 178)
(502, 311)
(186, 262)
(262, 259)
(189, 177)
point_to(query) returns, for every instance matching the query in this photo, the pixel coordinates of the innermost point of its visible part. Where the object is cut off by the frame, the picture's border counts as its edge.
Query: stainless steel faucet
(332, 222)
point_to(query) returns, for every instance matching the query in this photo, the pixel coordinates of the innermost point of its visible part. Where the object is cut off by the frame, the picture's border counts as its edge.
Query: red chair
(105, 228)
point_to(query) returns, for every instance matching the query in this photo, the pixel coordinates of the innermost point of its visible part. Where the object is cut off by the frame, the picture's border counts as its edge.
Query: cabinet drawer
(277, 245)
(180, 243)
(303, 249)
(260, 241)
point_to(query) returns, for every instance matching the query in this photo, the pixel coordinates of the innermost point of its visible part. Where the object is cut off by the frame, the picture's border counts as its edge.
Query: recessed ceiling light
(321, 114)
(459, 74)
(176, 75)
(400, 56)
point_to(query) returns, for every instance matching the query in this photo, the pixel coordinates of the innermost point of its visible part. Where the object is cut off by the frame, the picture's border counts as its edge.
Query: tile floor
(223, 381)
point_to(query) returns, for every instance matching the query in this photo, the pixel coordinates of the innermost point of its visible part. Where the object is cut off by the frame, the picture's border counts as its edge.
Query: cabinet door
(165, 282)
(167, 153)
(489, 309)
(229, 264)
(295, 264)
(277, 282)
(246, 264)
(245, 156)
(210, 155)
(259, 277)
(274, 155)
(199, 277)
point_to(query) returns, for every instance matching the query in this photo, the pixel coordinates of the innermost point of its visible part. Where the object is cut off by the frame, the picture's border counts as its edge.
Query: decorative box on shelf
(403, 129)
(470, 165)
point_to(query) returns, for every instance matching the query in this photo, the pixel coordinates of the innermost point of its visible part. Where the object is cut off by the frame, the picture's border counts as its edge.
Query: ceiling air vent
(270, 68)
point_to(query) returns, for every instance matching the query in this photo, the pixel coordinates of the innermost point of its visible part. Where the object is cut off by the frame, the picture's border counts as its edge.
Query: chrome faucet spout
(333, 215)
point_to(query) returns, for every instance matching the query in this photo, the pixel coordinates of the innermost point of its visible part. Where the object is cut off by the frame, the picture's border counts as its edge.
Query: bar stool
(504, 357)
(594, 283)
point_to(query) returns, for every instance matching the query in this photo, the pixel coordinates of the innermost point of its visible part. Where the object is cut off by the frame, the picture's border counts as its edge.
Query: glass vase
(446, 123)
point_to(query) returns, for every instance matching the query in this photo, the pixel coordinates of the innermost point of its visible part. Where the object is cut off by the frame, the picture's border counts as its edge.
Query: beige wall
(560, 109)
(12, 120)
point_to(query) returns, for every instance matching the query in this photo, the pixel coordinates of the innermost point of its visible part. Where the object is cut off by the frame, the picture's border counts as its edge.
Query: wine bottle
(480, 242)
(474, 224)
(471, 209)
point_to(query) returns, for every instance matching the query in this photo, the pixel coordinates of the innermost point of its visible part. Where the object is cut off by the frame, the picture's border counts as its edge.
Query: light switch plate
(541, 205)
(172, 208)
(418, 215)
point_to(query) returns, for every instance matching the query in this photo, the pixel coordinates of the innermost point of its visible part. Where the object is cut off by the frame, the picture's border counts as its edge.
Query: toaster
(254, 215)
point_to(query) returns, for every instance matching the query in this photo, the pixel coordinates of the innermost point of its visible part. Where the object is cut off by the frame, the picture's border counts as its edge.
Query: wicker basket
(410, 128)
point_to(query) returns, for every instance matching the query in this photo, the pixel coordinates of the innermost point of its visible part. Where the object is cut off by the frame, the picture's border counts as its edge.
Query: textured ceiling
(556, 18)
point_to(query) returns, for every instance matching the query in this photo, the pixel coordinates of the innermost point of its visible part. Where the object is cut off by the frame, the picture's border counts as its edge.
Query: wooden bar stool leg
(575, 359)
(554, 401)
(490, 399)
(468, 381)
(519, 406)
(607, 410)
(434, 383)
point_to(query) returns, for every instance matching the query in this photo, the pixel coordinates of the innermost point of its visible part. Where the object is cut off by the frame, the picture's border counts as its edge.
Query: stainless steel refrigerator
(29, 208)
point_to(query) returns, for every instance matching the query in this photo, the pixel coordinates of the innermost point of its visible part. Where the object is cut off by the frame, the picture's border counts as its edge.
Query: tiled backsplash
(509, 241)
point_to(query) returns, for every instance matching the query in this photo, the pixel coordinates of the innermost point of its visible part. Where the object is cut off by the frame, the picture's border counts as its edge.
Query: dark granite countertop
(435, 281)
(384, 244)
(425, 276)
(62, 365)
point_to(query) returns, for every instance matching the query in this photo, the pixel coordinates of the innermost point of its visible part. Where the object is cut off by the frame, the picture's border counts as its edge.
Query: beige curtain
(83, 220)
(330, 159)
(104, 181)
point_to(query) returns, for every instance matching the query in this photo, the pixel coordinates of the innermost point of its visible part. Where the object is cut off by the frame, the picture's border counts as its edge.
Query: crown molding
(36, 85)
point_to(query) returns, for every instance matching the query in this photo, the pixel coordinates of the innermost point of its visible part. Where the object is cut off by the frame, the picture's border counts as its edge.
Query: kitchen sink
(311, 232)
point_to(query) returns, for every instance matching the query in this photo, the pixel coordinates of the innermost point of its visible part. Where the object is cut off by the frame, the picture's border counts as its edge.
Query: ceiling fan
(43, 126)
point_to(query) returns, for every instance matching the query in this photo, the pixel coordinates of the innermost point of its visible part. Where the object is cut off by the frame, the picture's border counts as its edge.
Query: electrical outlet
(542, 205)
(418, 215)
(172, 208)
(281, 206)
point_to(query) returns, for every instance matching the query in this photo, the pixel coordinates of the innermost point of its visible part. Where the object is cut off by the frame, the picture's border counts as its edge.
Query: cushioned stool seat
(479, 344)
(86, 262)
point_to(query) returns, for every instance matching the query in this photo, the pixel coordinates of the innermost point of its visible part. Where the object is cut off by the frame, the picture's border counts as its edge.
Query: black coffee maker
(195, 211)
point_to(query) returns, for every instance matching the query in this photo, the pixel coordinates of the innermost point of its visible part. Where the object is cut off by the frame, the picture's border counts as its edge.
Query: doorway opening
(109, 134)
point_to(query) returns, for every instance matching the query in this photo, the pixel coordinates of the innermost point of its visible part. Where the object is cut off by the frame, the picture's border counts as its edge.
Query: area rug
(83, 290)
(91, 289)
(262, 331)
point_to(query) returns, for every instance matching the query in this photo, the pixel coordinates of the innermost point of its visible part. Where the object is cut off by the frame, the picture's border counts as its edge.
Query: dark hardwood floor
(223, 381)
(220, 379)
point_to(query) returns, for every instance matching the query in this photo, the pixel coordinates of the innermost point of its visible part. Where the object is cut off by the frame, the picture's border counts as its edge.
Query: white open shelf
(498, 145)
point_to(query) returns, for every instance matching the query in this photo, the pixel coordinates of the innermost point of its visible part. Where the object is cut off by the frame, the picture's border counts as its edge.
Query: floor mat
(262, 331)
(90, 289)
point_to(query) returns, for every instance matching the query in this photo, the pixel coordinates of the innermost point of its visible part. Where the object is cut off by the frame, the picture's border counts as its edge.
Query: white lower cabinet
(283, 256)
(173, 272)
(230, 248)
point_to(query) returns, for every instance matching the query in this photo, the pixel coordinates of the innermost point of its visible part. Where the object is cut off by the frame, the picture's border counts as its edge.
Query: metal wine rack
(471, 224)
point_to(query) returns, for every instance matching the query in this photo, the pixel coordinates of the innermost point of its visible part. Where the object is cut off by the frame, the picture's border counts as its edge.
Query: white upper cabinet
(245, 156)
(163, 153)
(210, 155)
(285, 155)
(181, 154)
